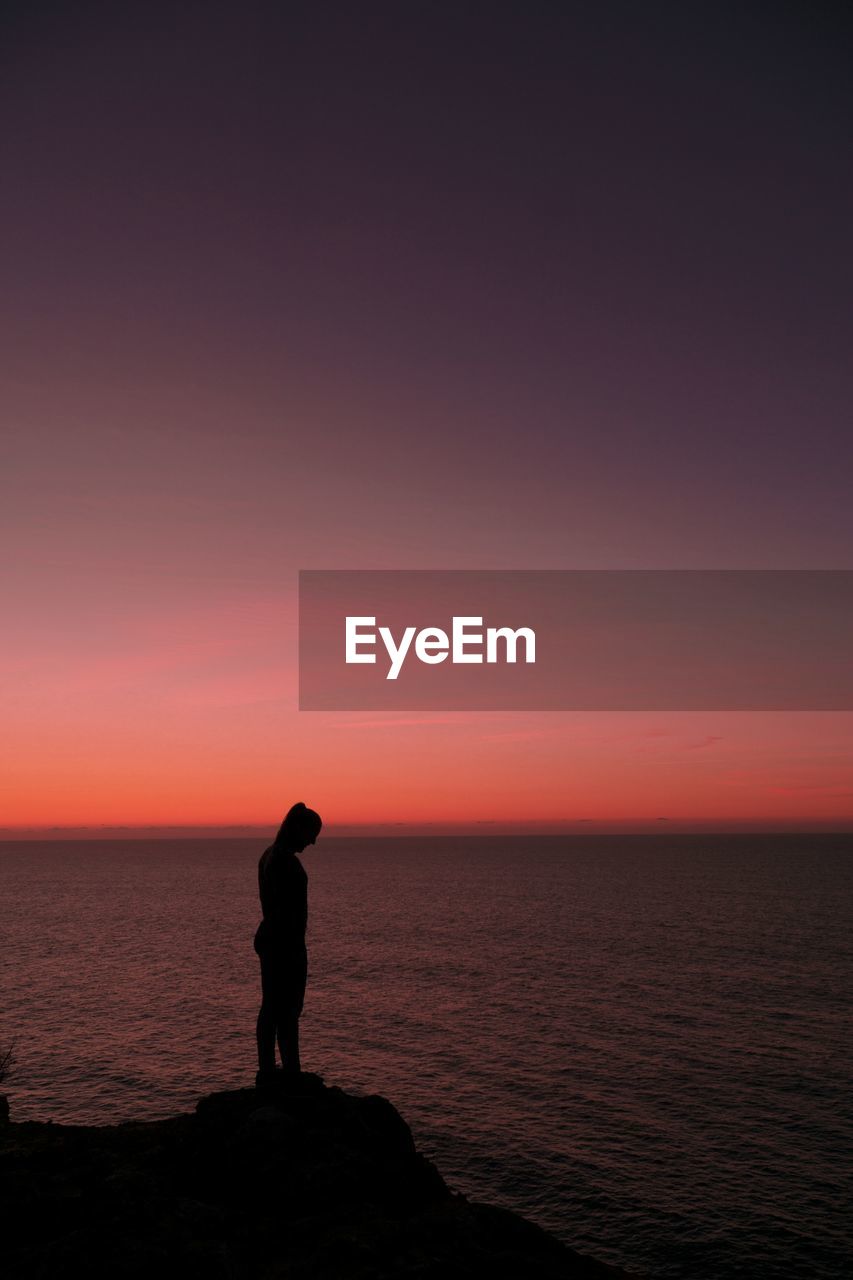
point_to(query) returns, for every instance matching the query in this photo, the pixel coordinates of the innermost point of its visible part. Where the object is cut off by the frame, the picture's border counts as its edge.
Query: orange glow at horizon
(189, 717)
(225, 765)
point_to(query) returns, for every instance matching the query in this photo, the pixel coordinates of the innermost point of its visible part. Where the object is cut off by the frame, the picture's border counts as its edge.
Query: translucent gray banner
(576, 640)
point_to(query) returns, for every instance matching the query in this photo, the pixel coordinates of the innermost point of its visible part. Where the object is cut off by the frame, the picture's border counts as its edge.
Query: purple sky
(407, 285)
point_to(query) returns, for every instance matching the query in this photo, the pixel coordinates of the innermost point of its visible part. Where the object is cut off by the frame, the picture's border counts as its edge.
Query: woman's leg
(290, 1008)
(288, 1041)
(266, 1026)
(265, 1034)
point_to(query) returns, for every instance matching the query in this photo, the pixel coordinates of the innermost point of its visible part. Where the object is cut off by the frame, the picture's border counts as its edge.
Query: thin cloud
(396, 724)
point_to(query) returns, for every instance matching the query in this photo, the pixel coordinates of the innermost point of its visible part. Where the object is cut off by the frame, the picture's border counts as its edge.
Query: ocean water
(642, 1043)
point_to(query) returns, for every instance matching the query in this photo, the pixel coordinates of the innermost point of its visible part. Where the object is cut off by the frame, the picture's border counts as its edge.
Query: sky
(407, 286)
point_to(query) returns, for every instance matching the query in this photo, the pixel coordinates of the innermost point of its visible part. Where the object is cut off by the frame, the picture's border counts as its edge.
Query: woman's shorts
(284, 973)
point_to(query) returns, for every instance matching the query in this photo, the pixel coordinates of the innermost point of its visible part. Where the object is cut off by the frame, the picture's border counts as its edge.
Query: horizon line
(438, 828)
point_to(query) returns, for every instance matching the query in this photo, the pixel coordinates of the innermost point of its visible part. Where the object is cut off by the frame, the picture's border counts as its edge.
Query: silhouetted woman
(280, 942)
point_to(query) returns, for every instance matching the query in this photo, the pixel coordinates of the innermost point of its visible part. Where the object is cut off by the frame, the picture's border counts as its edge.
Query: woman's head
(301, 827)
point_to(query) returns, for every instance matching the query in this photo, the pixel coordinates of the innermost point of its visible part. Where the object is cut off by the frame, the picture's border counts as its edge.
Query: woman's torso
(283, 890)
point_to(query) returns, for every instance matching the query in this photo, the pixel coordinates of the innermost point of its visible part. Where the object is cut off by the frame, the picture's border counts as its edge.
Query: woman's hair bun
(299, 822)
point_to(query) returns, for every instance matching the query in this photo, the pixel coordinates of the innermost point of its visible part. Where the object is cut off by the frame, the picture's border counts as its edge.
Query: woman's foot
(267, 1077)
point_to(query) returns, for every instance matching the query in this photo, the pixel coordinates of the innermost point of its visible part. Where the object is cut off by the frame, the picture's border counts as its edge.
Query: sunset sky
(407, 286)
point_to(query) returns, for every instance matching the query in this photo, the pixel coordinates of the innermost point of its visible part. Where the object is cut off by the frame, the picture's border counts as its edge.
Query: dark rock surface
(290, 1182)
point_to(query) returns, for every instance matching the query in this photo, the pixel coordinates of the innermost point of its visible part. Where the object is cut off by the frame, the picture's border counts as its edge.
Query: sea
(642, 1043)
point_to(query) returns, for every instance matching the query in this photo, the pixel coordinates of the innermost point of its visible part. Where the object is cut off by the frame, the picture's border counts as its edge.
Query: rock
(279, 1184)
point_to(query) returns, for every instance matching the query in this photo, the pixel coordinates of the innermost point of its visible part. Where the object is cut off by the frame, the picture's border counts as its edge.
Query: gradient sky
(407, 285)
